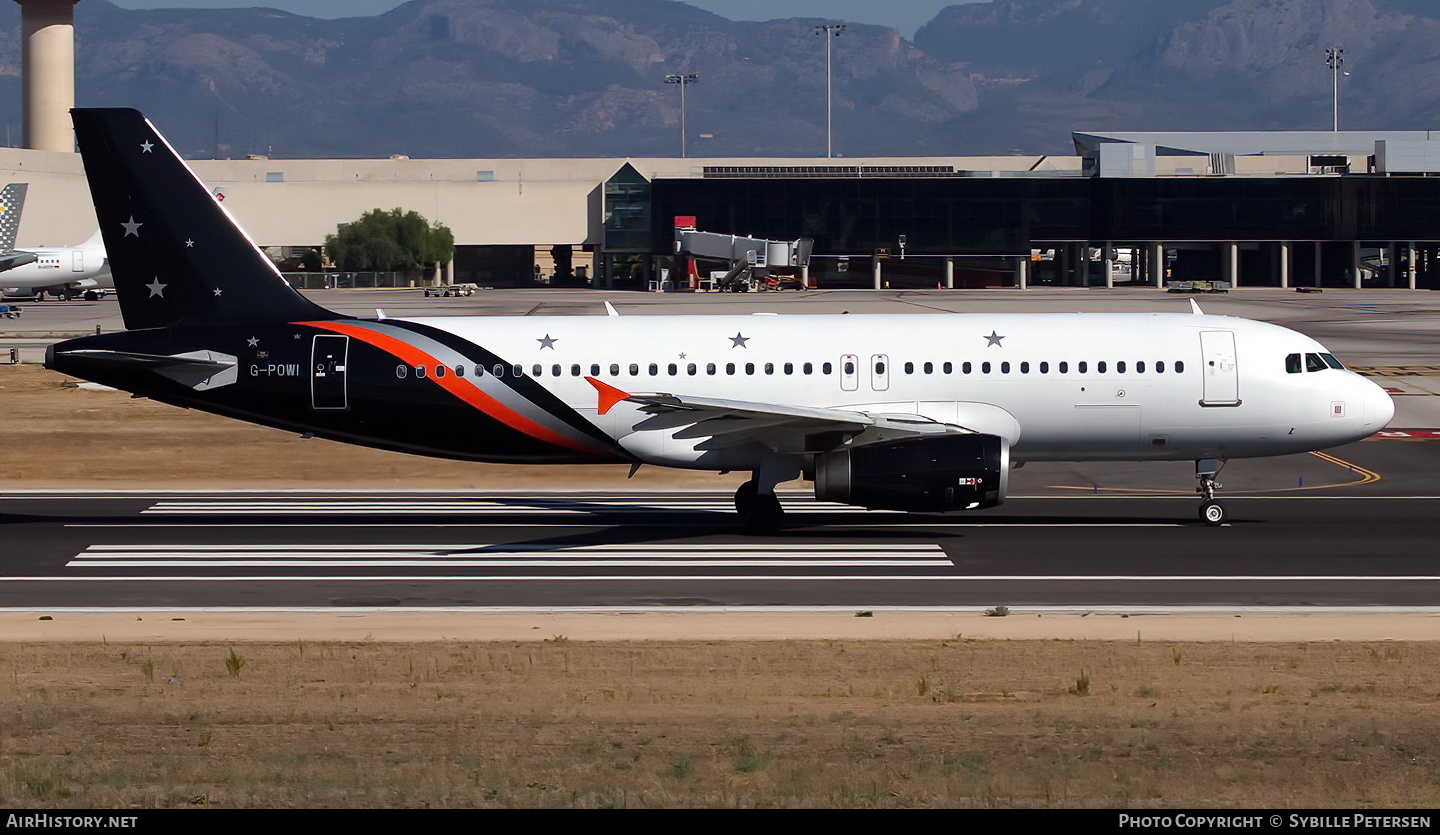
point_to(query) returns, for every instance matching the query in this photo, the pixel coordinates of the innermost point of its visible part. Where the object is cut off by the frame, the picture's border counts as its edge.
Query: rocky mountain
(1044, 67)
(475, 78)
(502, 78)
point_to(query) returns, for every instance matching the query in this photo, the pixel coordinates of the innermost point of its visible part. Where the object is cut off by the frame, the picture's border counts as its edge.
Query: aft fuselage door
(1218, 364)
(77, 261)
(328, 355)
(849, 372)
(880, 372)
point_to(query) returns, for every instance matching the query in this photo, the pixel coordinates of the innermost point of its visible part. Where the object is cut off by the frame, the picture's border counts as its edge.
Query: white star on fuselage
(132, 228)
(253, 341)
(217, 291)
(738, 341)
(146, 146)
(547, 341)
(993, 339)
(156, 288)
(189, 242)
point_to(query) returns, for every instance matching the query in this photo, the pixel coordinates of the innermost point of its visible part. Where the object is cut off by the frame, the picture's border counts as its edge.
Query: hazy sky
(905, 15)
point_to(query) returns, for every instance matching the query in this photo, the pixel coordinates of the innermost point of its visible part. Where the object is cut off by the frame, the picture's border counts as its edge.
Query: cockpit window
(1331, 361)
(1292, 364)
(1314, 363)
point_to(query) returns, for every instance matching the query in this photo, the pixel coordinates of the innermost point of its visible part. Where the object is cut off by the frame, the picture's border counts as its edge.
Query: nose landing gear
(1212, 512)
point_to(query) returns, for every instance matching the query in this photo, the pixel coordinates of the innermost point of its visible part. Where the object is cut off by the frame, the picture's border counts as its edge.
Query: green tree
(390, 241)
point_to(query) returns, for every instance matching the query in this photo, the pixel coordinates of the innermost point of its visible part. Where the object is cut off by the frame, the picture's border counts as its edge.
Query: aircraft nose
(1379, 408)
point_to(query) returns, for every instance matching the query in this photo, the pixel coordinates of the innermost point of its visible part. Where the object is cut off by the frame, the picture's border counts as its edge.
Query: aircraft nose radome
(1379, 407)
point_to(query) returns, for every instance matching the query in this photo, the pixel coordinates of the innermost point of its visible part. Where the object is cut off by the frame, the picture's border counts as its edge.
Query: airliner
(63, 271)
(912, 412)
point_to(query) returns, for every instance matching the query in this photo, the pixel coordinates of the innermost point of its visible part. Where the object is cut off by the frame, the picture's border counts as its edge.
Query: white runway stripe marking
(807, 555)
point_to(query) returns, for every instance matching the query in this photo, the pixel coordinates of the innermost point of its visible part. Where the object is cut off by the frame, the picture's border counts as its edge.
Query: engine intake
(950, 472)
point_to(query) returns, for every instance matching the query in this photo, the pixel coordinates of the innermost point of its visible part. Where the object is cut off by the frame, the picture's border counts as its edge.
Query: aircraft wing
(722, 423)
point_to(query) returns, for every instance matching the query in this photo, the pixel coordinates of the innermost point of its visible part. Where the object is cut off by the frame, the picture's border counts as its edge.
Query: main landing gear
(759, 512)
(1212, 512)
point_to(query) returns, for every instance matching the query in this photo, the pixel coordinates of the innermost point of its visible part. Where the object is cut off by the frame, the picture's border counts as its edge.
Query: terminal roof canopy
(1250, 142)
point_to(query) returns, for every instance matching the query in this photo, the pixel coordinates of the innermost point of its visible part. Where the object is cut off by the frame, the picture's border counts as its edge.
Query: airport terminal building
(1277, 209)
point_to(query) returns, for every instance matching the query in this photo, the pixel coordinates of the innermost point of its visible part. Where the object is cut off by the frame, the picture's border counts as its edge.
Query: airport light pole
(828, 31)
(1335, 59)
(682, 81)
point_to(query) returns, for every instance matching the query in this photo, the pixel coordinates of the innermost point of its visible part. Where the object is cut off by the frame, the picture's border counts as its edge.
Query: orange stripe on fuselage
(458, 386)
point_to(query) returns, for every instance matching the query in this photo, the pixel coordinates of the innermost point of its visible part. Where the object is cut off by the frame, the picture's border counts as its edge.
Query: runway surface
(631, 550)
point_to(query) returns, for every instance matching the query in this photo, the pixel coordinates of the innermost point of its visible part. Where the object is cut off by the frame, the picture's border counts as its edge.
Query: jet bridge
(749, 259)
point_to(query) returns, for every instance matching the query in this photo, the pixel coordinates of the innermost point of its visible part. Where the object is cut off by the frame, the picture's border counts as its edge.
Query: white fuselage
(1162, 386)
(82, 267)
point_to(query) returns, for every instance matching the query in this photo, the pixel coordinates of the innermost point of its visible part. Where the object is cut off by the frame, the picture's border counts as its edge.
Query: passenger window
(555, 370)
(518, 371)
(690, 369)
(614, 369)
(1064, 368)
(1005, 368)
(769, 368)
(479, 371)
(1140, 367)
(500, 370)
(849, 368)
(1024, 368)
(789, 368)
(1120, 367)
(634, 369)
(1332, 362)
(1179, 367)
(1314, 363)
(966, 368)
(537, 370)
(594, 369)
(574, 371)
(808, 368)
(749, 368)
(710, 368)
(879, 368)
(459, 371)
(420, 372)
(1081, 366)
(948, 368)
(673, 369)
(1044, 368)
(827, 368)
(730, 368)
(984, 368)
(929, 368)
(1100, 367)
(909, 368)
(654, 370)
(1160, 367)
(439, 371)
(402, 371)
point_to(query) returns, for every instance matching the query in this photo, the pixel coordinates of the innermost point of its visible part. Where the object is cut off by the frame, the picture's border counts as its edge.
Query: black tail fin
(176, 254)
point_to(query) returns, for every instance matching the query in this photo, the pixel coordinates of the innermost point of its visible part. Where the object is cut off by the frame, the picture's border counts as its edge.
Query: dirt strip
(189, 626)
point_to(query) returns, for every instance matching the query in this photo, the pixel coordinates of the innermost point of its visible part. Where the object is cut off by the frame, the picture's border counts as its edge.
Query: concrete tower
(47, 49)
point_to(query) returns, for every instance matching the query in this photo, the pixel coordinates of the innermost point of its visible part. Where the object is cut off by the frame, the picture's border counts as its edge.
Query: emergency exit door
(328, 356)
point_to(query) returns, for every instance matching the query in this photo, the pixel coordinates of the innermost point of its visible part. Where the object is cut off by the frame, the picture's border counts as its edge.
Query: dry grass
(763, 724)
(59, 436)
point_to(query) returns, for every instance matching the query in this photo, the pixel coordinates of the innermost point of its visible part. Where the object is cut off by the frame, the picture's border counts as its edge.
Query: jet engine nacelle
(932, 474)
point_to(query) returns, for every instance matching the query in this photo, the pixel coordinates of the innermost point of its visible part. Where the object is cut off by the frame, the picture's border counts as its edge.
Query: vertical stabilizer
(176, 254)
(12, 203)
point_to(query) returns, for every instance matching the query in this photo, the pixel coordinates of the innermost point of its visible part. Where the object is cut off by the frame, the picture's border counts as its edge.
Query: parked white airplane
(908, 412)
(63, 271)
